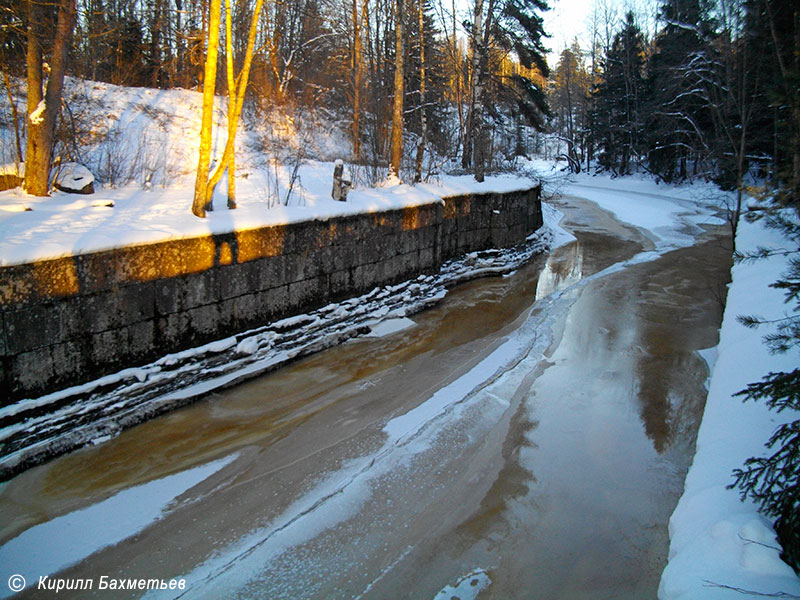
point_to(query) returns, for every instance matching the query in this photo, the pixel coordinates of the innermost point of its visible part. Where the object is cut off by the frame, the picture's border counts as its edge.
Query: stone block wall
(74, 319)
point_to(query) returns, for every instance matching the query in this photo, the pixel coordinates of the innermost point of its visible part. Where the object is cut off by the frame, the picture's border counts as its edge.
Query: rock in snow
(74, 178)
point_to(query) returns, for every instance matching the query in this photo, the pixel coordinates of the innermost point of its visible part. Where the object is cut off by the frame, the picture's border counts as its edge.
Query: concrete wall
(73, 319)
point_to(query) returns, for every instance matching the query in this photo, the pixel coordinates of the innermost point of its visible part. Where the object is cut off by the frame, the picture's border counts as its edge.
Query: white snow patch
(552, 218)
(36, 117)
(221, 345)
(15, 168)
(390, 326)
(247, 346)
(73, 176)
(466, 588)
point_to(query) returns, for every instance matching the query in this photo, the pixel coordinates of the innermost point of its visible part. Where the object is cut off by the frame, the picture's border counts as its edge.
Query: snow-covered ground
(146, 141)
(66, 224)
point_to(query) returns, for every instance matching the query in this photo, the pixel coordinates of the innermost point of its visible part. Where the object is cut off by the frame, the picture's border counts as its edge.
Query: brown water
(556, 480)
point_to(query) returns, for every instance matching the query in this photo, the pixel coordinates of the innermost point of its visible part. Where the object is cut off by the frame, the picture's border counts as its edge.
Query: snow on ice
(33, 554)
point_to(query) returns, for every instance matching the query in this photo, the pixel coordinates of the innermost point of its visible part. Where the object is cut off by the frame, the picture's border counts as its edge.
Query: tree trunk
(43, 111)
(397, 112)
(231, 104)
(14, 114)
(357, 72)
(480, 61)
(473, 110)
(209, 82)
(458, 73)
(227, 160)
(423, 117)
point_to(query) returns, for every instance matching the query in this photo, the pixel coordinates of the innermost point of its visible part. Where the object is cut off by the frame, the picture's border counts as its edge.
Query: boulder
(74, 178)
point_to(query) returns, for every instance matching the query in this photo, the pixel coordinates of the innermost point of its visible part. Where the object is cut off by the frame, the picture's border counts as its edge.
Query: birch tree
(209, 83)
(205, 183)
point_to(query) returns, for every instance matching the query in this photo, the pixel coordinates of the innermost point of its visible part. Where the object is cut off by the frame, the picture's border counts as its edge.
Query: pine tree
(774, 481)
(44, 101)
(679, 123)
(772, 38)
(569, 96)
(396, 154)
(618, 100)
(514, 27)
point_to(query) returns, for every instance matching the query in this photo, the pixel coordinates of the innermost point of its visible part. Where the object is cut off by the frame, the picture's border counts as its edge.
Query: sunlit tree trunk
(237, 102)
(231, 103)
(357, 71)
(205, 184)
(423, 118)
(43, 109)
(209, 81)
(397, 112)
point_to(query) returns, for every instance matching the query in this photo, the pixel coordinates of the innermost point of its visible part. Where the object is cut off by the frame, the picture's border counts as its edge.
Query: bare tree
(44, 106)
(396, 156)
(209, 83)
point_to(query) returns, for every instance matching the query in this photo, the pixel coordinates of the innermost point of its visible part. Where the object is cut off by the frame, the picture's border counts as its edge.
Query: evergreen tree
(44, 99)
(678, 120)
(772, 39)
(774, 481)
(571, 89)
(618, 100)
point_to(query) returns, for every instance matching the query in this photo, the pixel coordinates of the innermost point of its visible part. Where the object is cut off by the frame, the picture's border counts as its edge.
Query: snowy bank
(34, 228)
(150, 138)
(721, 547)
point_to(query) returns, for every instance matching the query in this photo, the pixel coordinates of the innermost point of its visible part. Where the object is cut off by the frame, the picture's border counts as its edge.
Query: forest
(710, 91)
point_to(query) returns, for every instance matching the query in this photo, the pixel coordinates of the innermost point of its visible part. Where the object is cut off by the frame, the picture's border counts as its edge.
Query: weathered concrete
(73, 319)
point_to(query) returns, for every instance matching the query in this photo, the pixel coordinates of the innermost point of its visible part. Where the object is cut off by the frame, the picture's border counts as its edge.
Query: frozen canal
(526, 438)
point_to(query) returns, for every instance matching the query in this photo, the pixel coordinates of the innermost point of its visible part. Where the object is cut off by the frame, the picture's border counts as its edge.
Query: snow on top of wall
(62, 225)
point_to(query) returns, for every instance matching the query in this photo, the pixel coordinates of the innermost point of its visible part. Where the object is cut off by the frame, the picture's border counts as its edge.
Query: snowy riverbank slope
(721, 547)
(145, 142)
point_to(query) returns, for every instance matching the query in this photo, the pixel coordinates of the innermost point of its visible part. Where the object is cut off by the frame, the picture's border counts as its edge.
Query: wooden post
(340, 185)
